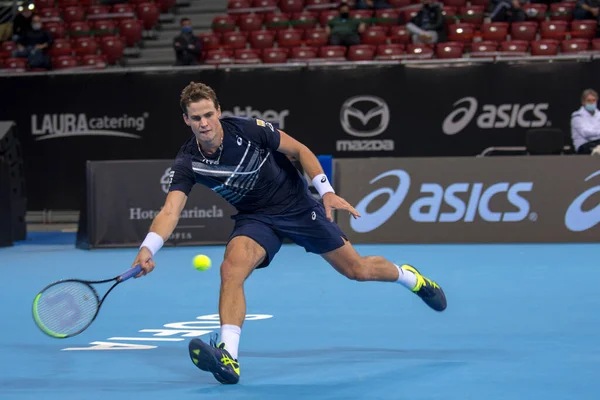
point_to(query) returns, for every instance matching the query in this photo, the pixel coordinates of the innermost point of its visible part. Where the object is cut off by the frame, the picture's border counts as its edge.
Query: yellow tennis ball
(201, 262)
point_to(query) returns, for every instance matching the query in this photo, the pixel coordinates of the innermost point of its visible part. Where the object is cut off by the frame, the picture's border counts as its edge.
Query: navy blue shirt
(251, 174)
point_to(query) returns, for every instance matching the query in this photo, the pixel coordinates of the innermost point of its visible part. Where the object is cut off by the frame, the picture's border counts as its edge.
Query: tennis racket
(68, 307)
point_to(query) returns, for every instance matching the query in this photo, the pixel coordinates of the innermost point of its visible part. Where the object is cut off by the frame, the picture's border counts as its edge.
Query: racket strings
(67, 307)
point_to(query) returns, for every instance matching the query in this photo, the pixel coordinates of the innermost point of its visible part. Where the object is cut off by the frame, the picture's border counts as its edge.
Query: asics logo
(492, 116)
(450, 126)
(374, 220)
(578, 220)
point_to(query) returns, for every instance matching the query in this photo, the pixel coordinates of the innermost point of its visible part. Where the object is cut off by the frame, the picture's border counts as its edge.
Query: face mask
(186, 29)
(344, 15)
(36, 27)
(590, 107)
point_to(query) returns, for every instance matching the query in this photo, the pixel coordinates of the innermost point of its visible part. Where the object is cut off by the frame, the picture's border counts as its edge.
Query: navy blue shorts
(308, 228)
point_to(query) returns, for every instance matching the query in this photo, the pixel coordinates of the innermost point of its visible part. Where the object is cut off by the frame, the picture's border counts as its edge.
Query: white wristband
(321, 183)
(153, 242)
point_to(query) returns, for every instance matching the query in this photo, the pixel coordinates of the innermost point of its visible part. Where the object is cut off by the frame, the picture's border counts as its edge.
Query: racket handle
(130, 273)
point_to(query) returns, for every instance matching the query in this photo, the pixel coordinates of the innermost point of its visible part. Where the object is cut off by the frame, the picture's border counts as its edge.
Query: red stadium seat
(234, 5)
(79, 28)
(409, 14)
(56, 29)
(399, 35)
(374, 35)
(64, 62)
(96, 61)
(562, 11)
(103, 27)
(553, 29)
(60, 47)
(516, 47)
(419, 51)
(523, 30)
(68, 3)
(316, 37)
(291, 6)
(219, 57)
(210, 41)
(333, 53)
(234, 40)
(84, 46)
(361, 52)
(264, 6)
(387, 17)
(496, 31)
(123, 11)
(149, 14)
(305, 20)
(365, 15)
(44, 3)
(277, 21)
(399, 3)
(583, 29)
(544, 47)
(247, 56)
(302, 53)
(326, 16)
(112, 47)
(223, 23)
(274, 56)
(388, 52)
(98, 12)
(575, 46)
(472, 15)
(131, 31)
(73, 14)
(535, 11)
(262, 39)
(486, 48)
(250, 22)
(6, 48)
(455, 3)
(461, 32)
(449, 14)
(596, 44)
(484, 3)
(449, 50)
(16, 64)
(290, 37)
(165, 6)
(311, 5)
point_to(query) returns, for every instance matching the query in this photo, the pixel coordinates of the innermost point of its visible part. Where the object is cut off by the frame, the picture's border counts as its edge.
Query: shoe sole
(206, 360)
(440, 303)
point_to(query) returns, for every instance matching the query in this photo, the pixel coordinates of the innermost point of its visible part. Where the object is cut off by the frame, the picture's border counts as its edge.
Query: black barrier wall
(370, 111)
(124, 197)
(472, 200)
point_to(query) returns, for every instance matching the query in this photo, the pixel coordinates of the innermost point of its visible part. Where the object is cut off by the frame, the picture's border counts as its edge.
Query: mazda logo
(355, 121)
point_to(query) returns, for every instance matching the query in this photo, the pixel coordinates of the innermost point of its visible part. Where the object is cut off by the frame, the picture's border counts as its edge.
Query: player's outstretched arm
(162, 227)
(311, 165)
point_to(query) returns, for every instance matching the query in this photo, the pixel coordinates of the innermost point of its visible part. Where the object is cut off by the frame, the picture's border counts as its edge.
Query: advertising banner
(545, 199)
(125, 196)
(364, 111)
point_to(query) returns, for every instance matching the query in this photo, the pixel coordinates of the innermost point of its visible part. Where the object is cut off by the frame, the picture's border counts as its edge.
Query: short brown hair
(587, 92)
(195, 92)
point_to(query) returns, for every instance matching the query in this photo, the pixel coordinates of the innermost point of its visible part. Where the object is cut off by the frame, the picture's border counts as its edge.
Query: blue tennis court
(521, 323)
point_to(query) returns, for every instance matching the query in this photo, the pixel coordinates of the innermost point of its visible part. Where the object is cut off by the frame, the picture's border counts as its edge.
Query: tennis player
(244, 160)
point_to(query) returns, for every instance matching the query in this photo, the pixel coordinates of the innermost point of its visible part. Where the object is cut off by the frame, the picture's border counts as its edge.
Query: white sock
(406, 278)
(230, 335)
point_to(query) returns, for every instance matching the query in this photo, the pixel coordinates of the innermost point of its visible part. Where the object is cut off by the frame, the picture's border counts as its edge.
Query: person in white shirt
(585, 124)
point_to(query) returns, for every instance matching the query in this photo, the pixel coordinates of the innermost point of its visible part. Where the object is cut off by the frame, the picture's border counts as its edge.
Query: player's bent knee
(234, 272)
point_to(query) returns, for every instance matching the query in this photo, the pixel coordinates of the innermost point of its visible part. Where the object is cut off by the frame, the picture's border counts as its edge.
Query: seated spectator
(187, 46)
(34, 44)
(372, 5)
(22, 22)
(586, 9)
(507, 11)
(428, 26)
(585, 124)
(343, 30)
